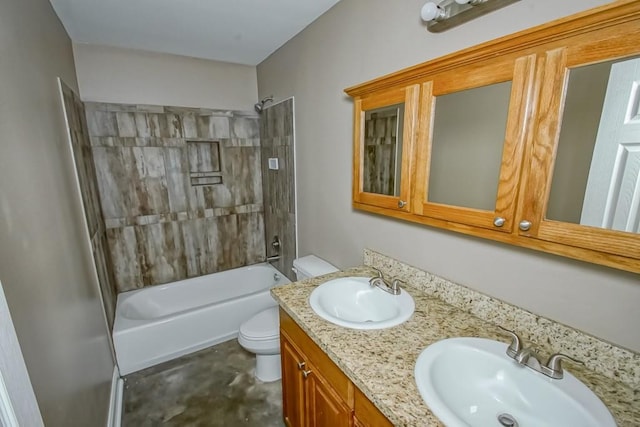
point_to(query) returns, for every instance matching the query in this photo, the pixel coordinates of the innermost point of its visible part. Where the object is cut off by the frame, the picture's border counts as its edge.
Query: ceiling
(238, 31)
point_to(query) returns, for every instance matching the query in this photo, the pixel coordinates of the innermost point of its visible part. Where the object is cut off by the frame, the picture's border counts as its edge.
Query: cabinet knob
(524, 225)
(306, 373)
(499, 221)
(402, 204)
(301, 365)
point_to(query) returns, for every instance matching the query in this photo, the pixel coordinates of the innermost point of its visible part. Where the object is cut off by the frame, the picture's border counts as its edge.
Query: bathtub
(163, 322)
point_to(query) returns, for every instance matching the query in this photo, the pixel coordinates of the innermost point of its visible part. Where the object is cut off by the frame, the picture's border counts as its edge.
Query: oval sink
(472, 382)
(353, 303)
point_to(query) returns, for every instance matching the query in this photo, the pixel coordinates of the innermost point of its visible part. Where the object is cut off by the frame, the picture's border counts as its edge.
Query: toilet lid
(264, 325)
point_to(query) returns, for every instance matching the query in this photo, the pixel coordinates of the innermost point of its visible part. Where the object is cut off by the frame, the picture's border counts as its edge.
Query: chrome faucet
(380, 282)
(528, 357)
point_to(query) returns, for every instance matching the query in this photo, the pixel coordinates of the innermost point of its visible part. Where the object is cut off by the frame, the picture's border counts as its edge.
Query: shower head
(259, 106)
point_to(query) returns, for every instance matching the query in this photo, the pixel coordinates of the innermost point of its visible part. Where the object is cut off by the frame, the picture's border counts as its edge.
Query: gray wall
(45, 260)
(277, 140)
(180, 190)
(340, 50)
(110, 74)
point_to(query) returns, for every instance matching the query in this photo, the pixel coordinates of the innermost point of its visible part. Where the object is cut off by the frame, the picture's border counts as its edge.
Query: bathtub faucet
(276, 245)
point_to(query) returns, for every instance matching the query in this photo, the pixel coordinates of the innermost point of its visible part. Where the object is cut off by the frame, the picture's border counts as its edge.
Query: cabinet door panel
(431, 174)
(293, 385)
(554, 216)
(384, 134)
(325, 408)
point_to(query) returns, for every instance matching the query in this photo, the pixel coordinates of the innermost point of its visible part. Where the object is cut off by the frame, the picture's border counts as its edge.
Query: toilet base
(268, 367)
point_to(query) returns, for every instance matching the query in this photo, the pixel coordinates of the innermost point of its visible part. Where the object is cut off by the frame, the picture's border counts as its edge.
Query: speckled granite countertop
(381, 362)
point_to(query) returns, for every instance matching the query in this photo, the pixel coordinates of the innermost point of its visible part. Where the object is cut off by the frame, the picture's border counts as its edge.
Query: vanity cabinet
(518, 140)
(310, 400)
(315, 391)
(366, 414)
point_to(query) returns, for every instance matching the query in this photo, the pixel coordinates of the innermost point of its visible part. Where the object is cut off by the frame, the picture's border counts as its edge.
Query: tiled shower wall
(180, 188)
(83, 158)
(276, 132)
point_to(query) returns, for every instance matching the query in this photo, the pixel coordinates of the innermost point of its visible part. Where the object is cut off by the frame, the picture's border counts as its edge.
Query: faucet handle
(515, 346)
(554, 364)
(395, 286)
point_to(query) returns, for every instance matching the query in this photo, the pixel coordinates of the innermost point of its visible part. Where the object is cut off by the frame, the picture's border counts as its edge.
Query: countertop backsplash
(551, 337)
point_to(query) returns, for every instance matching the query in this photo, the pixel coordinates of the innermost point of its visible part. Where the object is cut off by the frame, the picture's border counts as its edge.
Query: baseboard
(115, 401)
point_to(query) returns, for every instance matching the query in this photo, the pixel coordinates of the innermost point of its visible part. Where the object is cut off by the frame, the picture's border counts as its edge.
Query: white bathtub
(163, 322)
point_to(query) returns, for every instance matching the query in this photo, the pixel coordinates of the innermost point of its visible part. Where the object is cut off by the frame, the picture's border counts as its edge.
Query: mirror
(382, 150)
(466, 150)
(596, 178)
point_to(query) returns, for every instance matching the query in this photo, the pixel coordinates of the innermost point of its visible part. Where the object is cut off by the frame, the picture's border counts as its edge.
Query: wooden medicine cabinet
(532, 139)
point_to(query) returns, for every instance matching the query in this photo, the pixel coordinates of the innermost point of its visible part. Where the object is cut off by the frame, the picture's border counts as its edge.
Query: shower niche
(204, 162)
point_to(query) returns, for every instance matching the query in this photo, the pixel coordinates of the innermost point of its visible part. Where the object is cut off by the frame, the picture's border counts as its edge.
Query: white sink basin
(353, 303)
(472, 382)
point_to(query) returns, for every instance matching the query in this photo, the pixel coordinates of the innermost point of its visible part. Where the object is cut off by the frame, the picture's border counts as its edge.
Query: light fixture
(473, 2)
(432, 12)
(449, 13)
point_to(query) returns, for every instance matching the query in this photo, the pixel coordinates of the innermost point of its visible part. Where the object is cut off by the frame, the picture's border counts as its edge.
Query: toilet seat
(263, 326)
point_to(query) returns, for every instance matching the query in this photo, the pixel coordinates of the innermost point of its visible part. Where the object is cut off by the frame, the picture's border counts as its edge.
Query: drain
(507, 420)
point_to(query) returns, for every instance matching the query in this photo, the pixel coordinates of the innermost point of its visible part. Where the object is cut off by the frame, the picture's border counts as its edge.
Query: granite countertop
(381, 362)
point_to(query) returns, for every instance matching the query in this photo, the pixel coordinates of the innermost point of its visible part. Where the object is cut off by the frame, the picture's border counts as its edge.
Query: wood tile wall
(83, 158)
(276, 132)
(162, 224)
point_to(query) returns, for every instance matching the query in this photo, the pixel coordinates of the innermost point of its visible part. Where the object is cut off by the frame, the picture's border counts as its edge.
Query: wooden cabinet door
(324, 406)
(563, 109)
(383, 148)
(468, 165)
(293, 385)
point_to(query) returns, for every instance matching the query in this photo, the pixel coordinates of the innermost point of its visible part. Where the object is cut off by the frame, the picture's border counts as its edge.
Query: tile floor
(213, 387)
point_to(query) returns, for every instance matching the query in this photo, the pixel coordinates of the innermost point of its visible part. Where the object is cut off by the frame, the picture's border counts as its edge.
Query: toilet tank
(311, 266)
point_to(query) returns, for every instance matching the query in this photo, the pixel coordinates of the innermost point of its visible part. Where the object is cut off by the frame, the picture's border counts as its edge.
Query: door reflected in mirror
(466, 150)
(596, 179)
(383, 150)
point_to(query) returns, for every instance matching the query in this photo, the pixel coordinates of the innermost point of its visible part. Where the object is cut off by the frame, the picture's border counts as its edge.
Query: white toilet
(261, 333)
